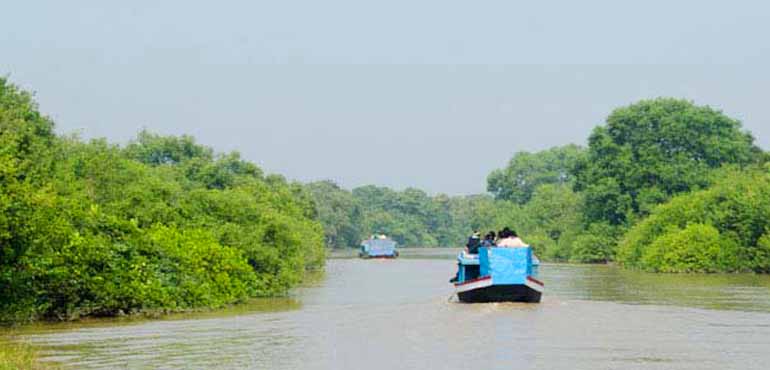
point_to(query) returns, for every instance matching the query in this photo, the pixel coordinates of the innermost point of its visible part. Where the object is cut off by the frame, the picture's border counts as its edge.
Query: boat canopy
(506, 265)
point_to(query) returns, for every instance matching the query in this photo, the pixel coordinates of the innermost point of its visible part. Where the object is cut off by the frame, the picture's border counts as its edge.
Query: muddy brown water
(398, 314)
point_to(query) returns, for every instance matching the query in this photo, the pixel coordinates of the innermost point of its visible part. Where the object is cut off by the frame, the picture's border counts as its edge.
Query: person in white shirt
(509, 239)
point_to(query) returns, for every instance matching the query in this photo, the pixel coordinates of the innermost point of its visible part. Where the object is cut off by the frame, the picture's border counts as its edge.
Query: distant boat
(498, 275)
(378, 248)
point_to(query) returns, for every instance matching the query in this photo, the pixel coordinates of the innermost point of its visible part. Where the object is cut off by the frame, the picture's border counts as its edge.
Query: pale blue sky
(433, 94)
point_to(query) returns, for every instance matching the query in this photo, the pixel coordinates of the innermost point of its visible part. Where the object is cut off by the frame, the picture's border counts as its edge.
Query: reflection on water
(746, 292)
(381, 314)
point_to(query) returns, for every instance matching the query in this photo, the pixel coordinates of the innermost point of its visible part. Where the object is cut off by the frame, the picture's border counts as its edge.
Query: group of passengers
(505, 238)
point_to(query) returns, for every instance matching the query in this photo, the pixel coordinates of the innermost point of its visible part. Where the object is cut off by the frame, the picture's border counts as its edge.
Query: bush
(761, 255)
(696, 248)
(596, 245)
(735, 212)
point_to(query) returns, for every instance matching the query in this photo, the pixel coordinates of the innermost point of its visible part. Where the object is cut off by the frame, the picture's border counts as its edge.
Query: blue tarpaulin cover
(379, 247)
(506, 265)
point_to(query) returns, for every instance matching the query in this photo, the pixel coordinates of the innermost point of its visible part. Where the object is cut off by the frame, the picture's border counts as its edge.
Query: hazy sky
(432, 94)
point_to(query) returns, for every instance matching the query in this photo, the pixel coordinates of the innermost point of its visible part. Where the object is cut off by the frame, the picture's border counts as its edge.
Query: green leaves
(90, 228)
(696, 248)
(340, 213)
(654, 149)
(723, 228)
(527, 171)
(595, 245)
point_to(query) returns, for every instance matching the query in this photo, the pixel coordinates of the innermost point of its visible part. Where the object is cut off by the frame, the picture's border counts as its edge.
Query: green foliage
(723, 228)
(527, 171)
(576, 205)
(647, 153)
(339, 212)
(411, 217)
(549, 222)
(155, 149)
(163, 224)
(595, 245)
(761, 254)
(652, 150)
(408, 216)
(696, 248)
(534, 196)
(554, 213)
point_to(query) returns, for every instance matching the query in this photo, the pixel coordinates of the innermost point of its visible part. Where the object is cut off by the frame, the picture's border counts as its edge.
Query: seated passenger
(489, 240)
(473, 243)
(509, 239)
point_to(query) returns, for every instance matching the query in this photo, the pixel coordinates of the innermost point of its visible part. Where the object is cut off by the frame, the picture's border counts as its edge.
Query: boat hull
(383, 256)
(484, 290)
(501, 293)
(379, 257)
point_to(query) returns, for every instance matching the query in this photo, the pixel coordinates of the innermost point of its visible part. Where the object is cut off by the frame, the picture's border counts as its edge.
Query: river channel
(400, 314)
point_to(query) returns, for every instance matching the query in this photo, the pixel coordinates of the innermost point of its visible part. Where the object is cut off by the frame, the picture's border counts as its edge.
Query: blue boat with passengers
(378, 247)
(498, 274)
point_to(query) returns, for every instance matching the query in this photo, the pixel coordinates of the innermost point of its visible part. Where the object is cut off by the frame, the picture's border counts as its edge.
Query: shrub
(596, 245)
(696, 248)
(735, 211)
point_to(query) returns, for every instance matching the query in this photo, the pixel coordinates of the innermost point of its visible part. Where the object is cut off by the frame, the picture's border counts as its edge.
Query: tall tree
(526, 171)
(652, 150)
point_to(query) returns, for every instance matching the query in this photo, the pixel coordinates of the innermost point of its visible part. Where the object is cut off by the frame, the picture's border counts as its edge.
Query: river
(399, 314)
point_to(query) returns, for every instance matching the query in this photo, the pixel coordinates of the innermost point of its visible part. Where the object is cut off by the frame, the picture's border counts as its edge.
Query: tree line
(161, 224)
(663, 185)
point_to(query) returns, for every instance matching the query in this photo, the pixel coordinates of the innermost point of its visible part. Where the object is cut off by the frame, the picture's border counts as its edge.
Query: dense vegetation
(647, 154)
(550, 219)
(723, 228)
(162, 224)
(653, 150)
(664, 185)
(527, 171)
(413, 218)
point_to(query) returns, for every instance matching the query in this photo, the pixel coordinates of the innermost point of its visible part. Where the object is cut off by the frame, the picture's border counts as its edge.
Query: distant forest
(664, 185)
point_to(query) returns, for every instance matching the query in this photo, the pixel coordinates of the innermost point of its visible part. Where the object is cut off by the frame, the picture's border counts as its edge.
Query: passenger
(473, 243)
(501, 235)
(489, 240)
(509, 239)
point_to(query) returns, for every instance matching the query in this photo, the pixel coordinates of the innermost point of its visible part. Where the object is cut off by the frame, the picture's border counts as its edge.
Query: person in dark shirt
(473, 243)
(489, 239)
